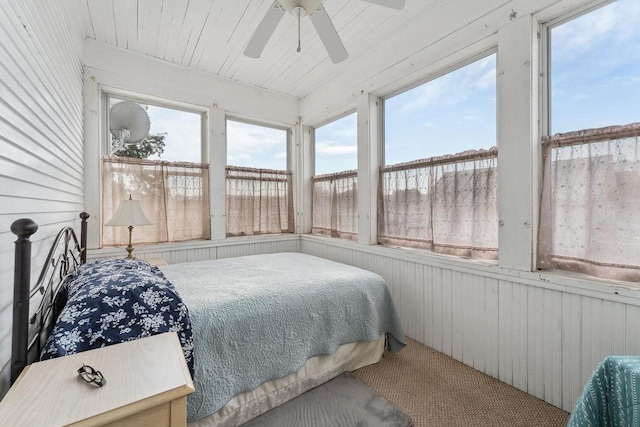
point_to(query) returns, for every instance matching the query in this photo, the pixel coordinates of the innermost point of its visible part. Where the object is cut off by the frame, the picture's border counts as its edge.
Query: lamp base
(130, 252)
(130, 247)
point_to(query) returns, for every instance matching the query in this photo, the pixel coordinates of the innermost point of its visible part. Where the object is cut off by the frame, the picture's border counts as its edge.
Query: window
(595, 69)
(438, 188)
(335, 186)
(164, 172)
(259, 186)
(591, 181)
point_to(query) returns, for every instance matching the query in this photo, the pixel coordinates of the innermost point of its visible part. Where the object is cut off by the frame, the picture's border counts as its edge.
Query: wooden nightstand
(147, 385)
(156, 262)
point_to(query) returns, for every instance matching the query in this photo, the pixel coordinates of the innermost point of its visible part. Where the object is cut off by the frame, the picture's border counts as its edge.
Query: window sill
(150, 249)
(562, 281)
(421, 256)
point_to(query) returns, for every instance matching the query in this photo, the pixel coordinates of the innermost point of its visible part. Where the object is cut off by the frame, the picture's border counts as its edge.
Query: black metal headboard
(66, 254)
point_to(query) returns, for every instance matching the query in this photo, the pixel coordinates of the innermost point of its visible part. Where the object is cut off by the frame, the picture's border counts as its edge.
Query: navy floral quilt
(116, 300)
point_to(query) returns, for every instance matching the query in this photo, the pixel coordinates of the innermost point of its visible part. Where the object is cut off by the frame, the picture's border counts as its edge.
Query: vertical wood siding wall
(41, 143)
(542, 341)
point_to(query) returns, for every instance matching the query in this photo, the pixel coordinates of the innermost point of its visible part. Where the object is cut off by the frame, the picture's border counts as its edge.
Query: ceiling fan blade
(264, 31)
(328, 35)
(393, 4)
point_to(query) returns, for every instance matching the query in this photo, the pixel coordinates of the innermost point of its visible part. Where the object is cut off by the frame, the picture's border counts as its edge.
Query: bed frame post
(83, 237)
(23, 228)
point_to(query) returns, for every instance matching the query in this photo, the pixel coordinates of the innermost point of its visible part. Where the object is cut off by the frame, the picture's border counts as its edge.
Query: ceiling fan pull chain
(299, 48)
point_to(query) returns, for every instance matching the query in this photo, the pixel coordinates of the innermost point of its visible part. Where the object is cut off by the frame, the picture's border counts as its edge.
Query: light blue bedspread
(258, 318)
(611, 395)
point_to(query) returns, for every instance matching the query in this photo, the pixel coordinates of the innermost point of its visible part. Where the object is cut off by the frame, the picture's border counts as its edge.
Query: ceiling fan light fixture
(307, 6)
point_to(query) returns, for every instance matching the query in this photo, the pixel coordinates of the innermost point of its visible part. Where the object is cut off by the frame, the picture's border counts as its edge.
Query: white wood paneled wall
(542, 339)
(41, 143)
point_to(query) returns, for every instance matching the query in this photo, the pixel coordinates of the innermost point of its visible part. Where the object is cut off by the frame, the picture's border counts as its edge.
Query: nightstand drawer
(147, 381)
(170, 414)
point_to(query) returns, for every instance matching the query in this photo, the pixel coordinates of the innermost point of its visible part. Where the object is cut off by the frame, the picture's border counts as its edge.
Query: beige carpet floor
(436, 390)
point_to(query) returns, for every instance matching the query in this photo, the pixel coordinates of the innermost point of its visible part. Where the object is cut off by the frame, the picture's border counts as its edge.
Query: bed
(265, 328)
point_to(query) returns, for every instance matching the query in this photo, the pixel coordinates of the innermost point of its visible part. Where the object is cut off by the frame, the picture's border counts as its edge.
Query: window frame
(313, 174)
(288, 130)
(431, 77)
(290, 167)
(107, 95)
(328, 122)
(545, 58)
(454, 66)
(546, 122)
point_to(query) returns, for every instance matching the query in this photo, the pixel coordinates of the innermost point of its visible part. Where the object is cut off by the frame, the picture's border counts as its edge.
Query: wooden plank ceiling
(210, 35)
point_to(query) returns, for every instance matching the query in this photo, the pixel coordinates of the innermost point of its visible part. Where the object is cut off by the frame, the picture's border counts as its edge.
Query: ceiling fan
(319, 18)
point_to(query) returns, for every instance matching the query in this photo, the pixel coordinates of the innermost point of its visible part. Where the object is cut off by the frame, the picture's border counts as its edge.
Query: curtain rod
(465, 156)
(334, 176)
(608, 133)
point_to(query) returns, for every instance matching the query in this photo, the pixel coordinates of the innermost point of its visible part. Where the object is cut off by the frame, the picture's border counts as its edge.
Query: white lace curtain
(335, 205)
(259, 201)
(174, 197)
(445, 204)
(590, 207)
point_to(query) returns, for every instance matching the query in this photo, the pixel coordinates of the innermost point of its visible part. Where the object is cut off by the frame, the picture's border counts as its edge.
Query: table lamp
(129, 213)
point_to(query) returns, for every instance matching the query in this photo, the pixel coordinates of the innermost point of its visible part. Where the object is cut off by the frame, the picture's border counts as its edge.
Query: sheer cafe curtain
(259, 201)
(590, 207)
(174, 197)
(335, 205)
(444, 204)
